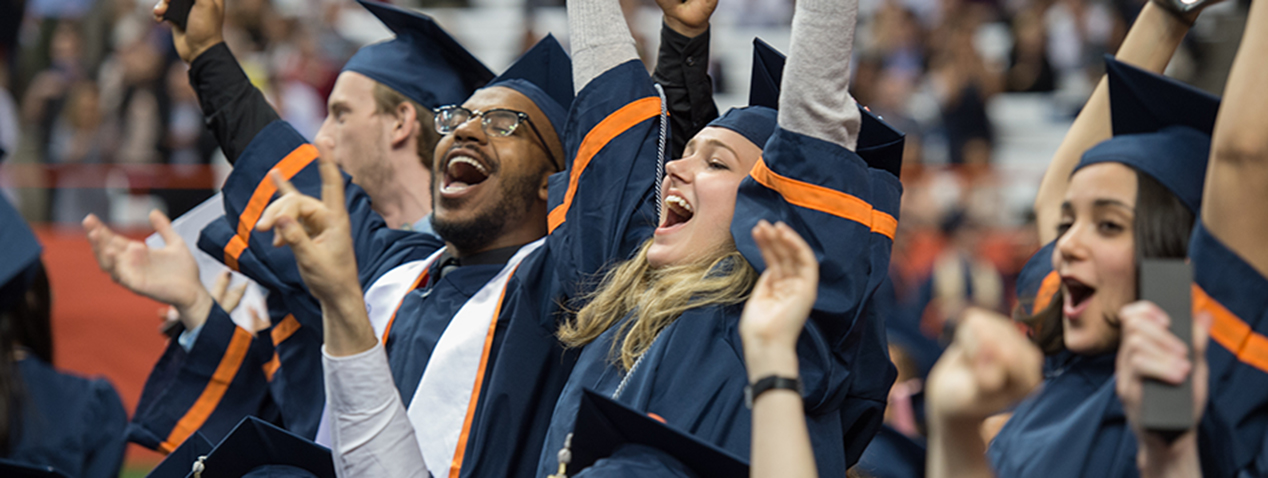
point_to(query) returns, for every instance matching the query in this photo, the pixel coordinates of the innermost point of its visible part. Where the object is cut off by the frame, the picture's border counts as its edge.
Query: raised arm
(814, 99)
(1235, 203)
(234, 109)
(600, 39)
(773, 318)
(682, 68)
(1149, 44)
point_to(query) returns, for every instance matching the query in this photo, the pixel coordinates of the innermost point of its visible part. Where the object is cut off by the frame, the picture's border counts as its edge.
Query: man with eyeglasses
(490, 196)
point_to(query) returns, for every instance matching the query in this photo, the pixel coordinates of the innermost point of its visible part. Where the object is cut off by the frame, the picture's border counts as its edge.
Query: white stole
(382, 300)
(440, 405)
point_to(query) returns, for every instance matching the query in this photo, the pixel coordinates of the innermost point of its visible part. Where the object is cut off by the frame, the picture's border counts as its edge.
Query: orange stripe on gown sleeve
(289, 166)
(210, 398)
(602, 134)
(1231, 332)
(825, 200)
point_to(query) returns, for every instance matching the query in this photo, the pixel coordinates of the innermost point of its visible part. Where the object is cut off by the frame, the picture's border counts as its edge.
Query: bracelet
(768, 383)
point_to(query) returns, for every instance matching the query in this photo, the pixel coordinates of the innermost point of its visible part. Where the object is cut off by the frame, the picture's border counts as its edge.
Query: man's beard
(488, 225)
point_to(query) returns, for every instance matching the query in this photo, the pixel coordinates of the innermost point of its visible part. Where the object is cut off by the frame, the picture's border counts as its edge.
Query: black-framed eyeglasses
(495, 122)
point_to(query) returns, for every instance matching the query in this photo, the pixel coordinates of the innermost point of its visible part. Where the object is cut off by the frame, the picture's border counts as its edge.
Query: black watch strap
(768, 383)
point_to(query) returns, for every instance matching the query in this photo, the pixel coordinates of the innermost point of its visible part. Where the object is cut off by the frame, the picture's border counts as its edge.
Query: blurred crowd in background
(97, 116)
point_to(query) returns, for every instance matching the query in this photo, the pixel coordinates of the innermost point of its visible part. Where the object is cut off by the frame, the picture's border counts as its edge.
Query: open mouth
(1076, 296)
(461, 173)
(677, 211)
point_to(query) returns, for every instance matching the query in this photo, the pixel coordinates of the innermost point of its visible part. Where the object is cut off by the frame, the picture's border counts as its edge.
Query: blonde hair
(385, 102)
(656, 297)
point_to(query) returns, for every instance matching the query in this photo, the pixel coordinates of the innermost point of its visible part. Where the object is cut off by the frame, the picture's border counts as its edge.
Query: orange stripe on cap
(388, 330)
(455, 466)
(599, 137)
(830, 201)
(284, 329)
(1047, 291)
(1231, 332)
(289, 166)
(210, 398)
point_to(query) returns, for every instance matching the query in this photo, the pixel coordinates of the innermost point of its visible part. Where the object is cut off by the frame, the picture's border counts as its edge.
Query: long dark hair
(23, 324)
(1161, 226)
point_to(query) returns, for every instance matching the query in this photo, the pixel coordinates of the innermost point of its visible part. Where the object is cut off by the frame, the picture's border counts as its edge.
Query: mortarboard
(256, 448)
(17, 469)
(180, 461)
(544, 75)
(1162, 128)
(879, 144)
(423, 62)
(20, 251)
(605, 428)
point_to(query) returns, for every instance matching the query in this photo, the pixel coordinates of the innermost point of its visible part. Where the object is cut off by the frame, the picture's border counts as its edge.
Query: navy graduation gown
(602, 208)
(893, 455)
(693, 375)
(1236, 296)
(276, 374)
(73, 424)
(527, 367)
(1074, 426)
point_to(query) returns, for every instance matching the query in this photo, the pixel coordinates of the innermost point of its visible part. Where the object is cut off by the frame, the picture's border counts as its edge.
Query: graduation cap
(879, 144)
(605, 428)
(17, 469)
(544, 75)
(19, 255)
(258, 449)
(180, 461)
(423, 62)
(1162, 128)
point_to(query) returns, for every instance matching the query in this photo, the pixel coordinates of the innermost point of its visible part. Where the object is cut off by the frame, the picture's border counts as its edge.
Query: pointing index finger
(284, 186)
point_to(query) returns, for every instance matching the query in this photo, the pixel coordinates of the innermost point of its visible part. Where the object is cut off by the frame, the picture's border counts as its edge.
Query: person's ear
(404, 124)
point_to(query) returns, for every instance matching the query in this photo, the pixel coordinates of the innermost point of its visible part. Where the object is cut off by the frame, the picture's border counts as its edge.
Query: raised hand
(1148, 350)
(320, 235)
(168, 274)
(318, 231)
(781, 301)
(989, 366)
(204, 28)
(688, 17)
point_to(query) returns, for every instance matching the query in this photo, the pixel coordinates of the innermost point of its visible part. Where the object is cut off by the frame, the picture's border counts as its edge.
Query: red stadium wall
(99, 328)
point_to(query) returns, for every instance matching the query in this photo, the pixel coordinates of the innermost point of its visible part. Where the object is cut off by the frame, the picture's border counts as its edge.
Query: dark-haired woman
(1134, 196)
(47, 418)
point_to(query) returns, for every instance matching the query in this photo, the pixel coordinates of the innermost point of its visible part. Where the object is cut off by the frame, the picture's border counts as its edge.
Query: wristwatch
(768, 383)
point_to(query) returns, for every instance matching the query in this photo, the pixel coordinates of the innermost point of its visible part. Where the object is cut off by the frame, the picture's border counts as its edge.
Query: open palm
(168, 274)
(786, 291)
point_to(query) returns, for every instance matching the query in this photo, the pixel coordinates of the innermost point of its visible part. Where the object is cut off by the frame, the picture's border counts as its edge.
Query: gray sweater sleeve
(814, 99)
(600, 39)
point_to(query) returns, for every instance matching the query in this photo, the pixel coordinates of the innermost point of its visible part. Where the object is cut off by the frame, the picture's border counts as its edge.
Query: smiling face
(1095, 255)
(700, 194)
(490, 191)
(354, 134)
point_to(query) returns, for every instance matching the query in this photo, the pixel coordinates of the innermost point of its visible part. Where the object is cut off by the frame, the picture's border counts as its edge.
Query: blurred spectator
(1030, 70)
(78, 138)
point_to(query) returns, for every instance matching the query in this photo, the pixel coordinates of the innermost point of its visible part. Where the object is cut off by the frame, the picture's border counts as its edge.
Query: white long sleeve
(814, 98)
(370, 434)
(600, 39)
